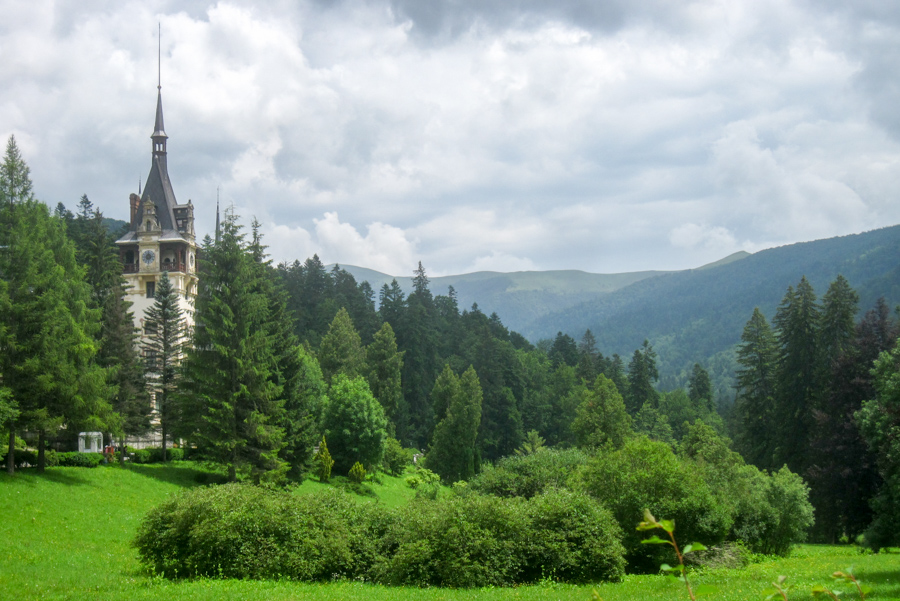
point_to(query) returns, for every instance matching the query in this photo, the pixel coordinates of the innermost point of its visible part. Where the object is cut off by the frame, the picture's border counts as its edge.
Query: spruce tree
(305, 396)
(164, 331)
(453, 452)
(601, 418)
(385, 366)
(755, 401)
(700, 388)
(798, 322)
(341, 350)
(50, 364)
(233, 404)
(642, 373)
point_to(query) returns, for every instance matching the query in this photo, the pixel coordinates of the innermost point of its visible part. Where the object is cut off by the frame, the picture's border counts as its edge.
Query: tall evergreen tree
(843, 474)
(755, 403)
(453, 449)
(233, 402)
(164, 330)
(601, 419)
(839, 307)
(305, 397)
(642, 373)
(15, 176)
(700, 388)
(798, 322)
(341, 350)
(385, 366)
(50, 364)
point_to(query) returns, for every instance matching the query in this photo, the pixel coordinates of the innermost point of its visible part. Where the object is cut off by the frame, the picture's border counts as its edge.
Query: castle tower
(161, 236)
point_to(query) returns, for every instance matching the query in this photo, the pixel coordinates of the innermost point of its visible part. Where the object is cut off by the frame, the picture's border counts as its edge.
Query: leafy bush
(23, 458)
(480, 540)
(396, 458)
(647, 474)
(141, 456)
(770, 512)
(243, 531)
(357, 473)
(76, 459)
(426, 483)
(573, 538)
(529, 475)
(464, 541)
(173, 454)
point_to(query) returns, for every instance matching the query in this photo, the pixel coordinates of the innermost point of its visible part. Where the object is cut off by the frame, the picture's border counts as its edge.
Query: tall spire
(159, 130)
(217, 215)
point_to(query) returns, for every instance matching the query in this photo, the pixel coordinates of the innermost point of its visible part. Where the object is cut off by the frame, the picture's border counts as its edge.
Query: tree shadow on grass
(29, 476)
(181, 474)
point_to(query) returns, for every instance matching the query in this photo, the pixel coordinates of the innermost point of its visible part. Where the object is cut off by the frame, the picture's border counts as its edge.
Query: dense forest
(295, 369)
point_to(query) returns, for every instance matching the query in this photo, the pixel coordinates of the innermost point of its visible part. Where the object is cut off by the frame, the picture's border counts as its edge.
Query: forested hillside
(692, 316)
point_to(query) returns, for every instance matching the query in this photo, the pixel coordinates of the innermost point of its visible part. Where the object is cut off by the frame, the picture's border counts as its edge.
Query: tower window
(151, 289)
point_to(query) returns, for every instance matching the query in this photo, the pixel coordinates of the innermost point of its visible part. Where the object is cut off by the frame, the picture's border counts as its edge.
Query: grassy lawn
(66, 535)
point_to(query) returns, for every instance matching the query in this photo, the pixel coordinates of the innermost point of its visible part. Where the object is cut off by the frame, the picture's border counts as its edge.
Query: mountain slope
(696, 314)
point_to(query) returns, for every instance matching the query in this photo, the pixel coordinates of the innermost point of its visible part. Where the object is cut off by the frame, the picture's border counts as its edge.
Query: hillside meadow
(66, 535)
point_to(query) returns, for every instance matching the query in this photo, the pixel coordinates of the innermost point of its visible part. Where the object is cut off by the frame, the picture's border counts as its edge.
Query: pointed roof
(159, 130)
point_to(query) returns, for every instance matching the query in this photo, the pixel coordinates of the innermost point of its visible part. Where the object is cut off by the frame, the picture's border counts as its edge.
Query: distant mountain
(698, 315)
(518, 298)
(695, 315)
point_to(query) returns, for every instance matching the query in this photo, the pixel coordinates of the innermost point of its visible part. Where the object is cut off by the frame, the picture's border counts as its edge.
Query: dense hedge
(154, 454)
(529, 475)
(76, 459)
(242, 531)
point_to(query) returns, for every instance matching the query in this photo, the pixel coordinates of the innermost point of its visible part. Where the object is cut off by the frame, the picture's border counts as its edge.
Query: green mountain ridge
(693, 315)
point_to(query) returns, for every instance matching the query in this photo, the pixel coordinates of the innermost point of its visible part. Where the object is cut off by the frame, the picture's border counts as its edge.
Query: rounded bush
(529, 475)
(645, 474)
(243, 531)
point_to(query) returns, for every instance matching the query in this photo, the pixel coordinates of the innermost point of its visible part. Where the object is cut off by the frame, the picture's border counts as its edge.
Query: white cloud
(472, 134)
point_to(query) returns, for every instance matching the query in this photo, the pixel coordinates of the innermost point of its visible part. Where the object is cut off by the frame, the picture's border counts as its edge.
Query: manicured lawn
(66, 535)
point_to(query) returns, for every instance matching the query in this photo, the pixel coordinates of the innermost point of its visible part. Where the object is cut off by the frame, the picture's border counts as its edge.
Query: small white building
(90, 442)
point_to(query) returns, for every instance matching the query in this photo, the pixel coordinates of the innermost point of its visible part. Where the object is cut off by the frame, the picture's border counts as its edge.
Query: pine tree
(843, 474)
(642, 373)
(305, 396)
(385, 366)
(700, 388)
(839, 307)
(798, 322)
(341, 350)
(164, 329)
(15, 176)
(601, 418)
(233, 403)
(50, 365)
(755, 401)
(453, 449)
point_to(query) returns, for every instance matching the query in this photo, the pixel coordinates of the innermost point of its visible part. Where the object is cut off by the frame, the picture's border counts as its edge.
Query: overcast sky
(500, 135)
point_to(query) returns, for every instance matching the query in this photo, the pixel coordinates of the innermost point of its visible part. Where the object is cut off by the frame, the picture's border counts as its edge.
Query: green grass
(66, 535)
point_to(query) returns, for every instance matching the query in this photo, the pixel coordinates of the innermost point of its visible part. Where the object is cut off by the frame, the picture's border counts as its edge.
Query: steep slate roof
(158, 187)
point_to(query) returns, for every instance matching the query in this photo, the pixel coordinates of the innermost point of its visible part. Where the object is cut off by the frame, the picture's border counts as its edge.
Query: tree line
(809, 398)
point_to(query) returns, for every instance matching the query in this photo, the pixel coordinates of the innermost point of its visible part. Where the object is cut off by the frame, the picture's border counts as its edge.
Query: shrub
(172, 454)
(396, 458)
(76, 459)
(244, 531)
(323, 462)
(573, 538)
(647, 474)
(426, 483)
(529, 475)
(464, 541)
(479, 540)
(141, 456)
(357, 473)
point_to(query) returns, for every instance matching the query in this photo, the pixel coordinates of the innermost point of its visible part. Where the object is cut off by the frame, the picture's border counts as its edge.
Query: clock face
(148, 256)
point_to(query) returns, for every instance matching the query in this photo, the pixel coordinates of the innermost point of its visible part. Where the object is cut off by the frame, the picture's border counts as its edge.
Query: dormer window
(149, 227)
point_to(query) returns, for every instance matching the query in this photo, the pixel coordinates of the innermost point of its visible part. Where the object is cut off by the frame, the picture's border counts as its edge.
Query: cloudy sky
(472, 135)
